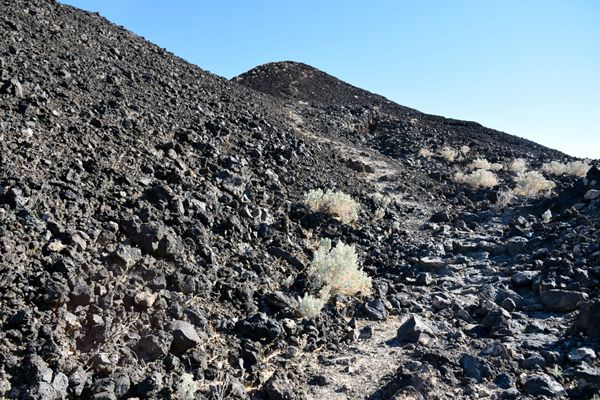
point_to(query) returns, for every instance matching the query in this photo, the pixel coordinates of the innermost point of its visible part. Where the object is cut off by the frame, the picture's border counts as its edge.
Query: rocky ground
(154, 240)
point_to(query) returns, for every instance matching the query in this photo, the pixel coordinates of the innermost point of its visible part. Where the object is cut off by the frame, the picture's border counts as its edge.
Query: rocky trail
(162, 233)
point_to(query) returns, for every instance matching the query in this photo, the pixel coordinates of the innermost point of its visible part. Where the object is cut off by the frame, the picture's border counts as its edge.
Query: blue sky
(530, 68)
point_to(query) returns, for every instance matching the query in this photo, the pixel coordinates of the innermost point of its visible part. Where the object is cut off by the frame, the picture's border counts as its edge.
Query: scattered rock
(185, 337)
(414, 329)
(562, 300)
(543, 385)
(375, 310)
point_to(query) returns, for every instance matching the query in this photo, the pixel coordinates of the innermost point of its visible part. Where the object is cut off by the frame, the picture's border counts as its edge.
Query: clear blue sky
(530, 68)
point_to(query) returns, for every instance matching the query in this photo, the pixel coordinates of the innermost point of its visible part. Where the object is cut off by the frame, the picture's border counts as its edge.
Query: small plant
(310, 306)
(496, 167)
(425, 152)
(338, 204)
(477, 179)
(336, 269)
(573, 168)
(448, 153)
(465, 150)
(532, 184)
(518, 165)
(380, 200)
(480, 163)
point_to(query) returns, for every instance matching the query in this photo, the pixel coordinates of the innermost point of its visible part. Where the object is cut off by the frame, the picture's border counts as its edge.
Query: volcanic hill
(159, 235)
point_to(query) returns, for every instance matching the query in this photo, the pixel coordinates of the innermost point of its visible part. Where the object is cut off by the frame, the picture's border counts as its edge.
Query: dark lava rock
(562, 300)
(414, 329)
(278, 388)
(588, 319)
(260, 328)
(185, 337)
(543, 385)
(375, 310)
(475, 367)
(127, 256)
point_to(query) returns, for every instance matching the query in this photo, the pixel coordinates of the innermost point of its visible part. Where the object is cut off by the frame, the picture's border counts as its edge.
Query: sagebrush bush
(573, 168)
(480, 163)
(337, 269)
(338, 204)
(518, 165)
(310, 306)
(532, 184)
(465, 150)
(448, 153)
(479, 178)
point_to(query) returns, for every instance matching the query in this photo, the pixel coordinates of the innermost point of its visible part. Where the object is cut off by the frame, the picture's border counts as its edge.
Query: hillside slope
(392, 128)
(154, 237)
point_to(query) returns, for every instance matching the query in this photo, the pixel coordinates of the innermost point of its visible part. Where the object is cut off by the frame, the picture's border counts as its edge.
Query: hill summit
(168, 234)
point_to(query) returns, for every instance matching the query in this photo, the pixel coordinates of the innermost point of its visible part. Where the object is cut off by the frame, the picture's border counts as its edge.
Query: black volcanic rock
(154, 241)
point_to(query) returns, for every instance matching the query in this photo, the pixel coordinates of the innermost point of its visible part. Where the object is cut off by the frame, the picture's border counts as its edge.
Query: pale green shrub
(479, 178)
(310, 306)
(337, 269)
(338, 204)
(532, 184)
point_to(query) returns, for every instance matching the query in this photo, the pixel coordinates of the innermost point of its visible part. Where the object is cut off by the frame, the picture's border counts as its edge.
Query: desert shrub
(578, 168)
(448, 153)
(465, 150)
(518, 165)
(380, 200)
(480, 163)
(573, 168)
(310, 306)
(425, 152)
(496, 167)
(532, 184)
(337, 269)
(479, 178)
(338, 204)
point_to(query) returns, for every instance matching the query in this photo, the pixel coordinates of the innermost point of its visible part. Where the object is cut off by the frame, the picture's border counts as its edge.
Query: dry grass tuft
(533, 184)
(479, 178)
(449, 153)
(425, 152)
(573, 168)
(518, 165)
(338, 204)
